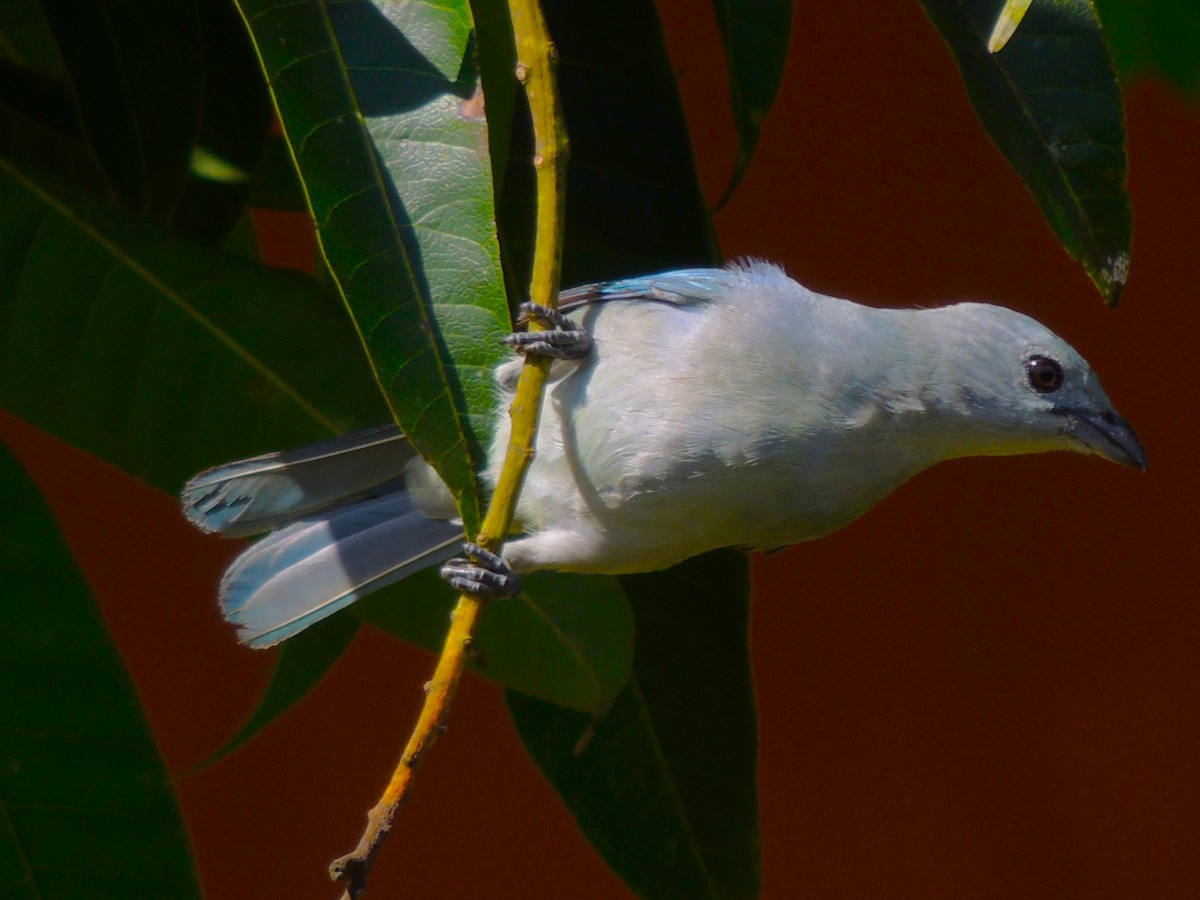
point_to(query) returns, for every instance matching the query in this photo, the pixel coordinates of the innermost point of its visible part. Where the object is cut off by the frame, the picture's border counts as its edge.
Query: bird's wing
(300, 574)
(681, 287)
(257, 494)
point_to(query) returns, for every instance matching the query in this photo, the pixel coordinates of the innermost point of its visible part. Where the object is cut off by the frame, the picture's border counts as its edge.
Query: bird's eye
(1045, 375)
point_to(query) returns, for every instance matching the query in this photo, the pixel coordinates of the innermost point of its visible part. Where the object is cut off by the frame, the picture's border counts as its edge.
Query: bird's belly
(644, 459)
(659, 510)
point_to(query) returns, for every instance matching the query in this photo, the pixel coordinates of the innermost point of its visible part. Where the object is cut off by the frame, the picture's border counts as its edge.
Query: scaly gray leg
(564, 340)
(481, 572)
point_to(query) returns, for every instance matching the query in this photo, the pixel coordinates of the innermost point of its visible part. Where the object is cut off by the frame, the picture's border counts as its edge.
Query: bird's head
(1016, 387)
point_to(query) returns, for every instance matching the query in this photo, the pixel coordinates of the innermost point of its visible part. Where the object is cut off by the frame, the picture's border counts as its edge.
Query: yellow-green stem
(535, 69)
(536, 60)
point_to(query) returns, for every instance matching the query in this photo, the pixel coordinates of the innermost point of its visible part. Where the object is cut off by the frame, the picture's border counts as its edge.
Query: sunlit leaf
(392, 151)
(1007, 21)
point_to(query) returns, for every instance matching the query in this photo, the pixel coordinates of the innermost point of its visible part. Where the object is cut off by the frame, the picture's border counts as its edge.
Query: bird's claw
(481, 572)
(563, 340)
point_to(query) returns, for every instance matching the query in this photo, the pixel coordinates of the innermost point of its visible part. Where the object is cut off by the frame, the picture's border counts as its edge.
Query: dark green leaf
(299, 666)
(633, 202)
(756, 34)
(185, 157)
(33, 77)
(38, 120)
(1050, 102)
(403, 206)
(1161, 37)
(84, 799)
(157, 355)
(497, 71)
(276, 185)
(565, 639)
(665, 789)
(135, 70)
(37, 129)
(233, 131)
(27, 42)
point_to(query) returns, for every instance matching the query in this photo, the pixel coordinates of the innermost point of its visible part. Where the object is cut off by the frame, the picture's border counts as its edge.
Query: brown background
(987, 687)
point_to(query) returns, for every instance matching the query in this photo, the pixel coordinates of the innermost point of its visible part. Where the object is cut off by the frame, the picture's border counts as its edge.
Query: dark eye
(1045, 375)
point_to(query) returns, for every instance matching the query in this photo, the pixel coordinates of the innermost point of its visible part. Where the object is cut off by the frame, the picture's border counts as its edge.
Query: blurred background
(987, 687)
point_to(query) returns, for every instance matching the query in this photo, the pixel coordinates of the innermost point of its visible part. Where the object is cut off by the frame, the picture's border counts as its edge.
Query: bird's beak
(1107, 435)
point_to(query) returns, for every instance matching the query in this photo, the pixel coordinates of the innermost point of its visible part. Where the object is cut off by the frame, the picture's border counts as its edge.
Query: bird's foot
(563, 340)
(481, 572)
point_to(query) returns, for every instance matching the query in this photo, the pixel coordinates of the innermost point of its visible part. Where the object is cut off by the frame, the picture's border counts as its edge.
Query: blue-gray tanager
(709, 408)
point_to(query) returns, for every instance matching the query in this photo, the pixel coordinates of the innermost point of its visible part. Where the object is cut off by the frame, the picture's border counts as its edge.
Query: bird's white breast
(672, 438)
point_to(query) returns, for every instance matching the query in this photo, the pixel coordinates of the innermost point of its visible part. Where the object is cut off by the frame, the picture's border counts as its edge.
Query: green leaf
(160, 356)
(665, 790)
(566, 639)
(497, 71)
(27, 42)
(1156, 38)
(85, 805)
(276, 185)
(156, 140)
(634, 204)
(1051, 104)
(438, 32)
(233, 133)
(300, 665)
(414, 254)
(172, 358)
(756, 35)
(38, 118)
(135, 69)
(37, 129)
(389, 140)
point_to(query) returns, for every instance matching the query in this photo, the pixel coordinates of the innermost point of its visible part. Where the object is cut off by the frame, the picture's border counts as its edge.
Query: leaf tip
(1000, 34)
(1006, 24)
(1111, 278)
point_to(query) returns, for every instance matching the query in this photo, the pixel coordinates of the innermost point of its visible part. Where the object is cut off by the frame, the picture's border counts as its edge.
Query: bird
(684, 411)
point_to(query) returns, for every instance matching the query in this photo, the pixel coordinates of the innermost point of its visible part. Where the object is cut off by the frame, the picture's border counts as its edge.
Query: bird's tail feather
(261, 493)
(345, 527)
(314, 567)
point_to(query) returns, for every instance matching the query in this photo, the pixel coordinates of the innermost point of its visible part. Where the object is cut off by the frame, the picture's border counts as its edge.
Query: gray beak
(1107, 435)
